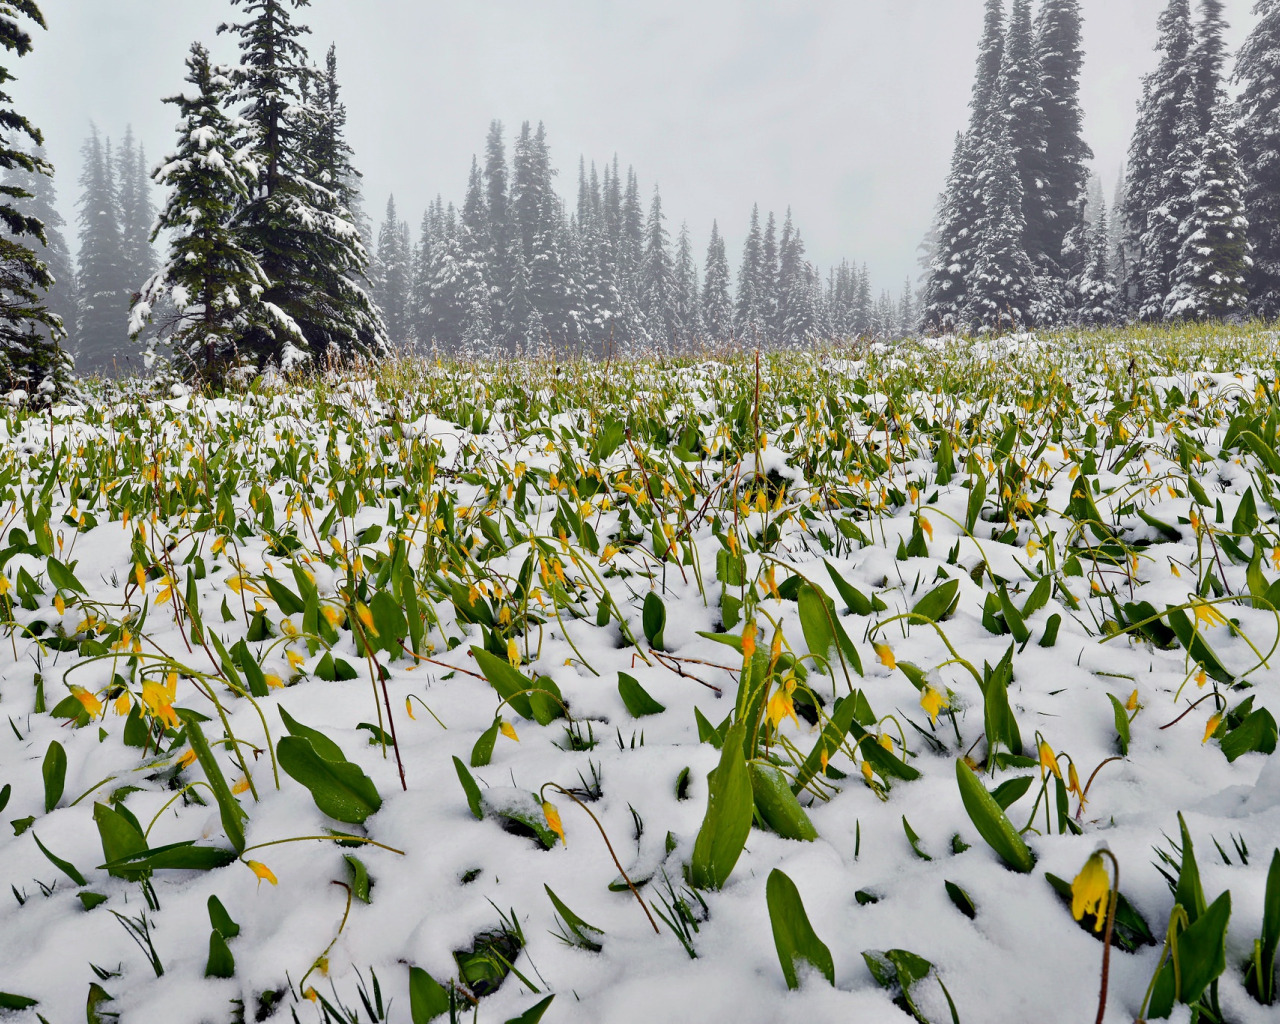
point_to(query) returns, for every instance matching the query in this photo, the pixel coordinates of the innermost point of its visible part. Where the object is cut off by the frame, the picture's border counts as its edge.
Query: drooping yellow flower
(365, 615)
(140, 575)
(608, 553)
(1048, 762)
(408, 707)
(241, 785)
(334, 616)
(1132, 703)
(123, 703)
(1073, 781)
(553, 820)
(508, 730)
(5, 585)
(867, 772)
(933, 701)
(87, 700)
(1090, 889)
(296, 660)
(927, 527)
(159, 702)
(1208, 614)
(1215, 720)
(59, 604)
(886, 741)
(748, 641)
(781, 706)
(885, 653)
(1201, 678)
(1033, 547)
(513, 653)
(264, 873)
(273, 680)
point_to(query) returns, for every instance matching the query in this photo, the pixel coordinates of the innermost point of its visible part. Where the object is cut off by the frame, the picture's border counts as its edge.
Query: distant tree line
(1023, 237)
(518, 270)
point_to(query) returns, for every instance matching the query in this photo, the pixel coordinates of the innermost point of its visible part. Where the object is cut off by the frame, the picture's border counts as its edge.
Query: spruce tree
(29, 331)
(104, 279)
(1208, 58)
(209, 279)
(687, 305)
(1154, 187)
(40, 202)
(1258, 73)
(767, 277)
(1094, 286)
(1001, 292)
(657, 279)
(391, 290)
(1059, 54)
(296, 223)
(749, 322)
(137, 212)
(1210, 281)
(717, 307)
(1022, 101)
(797, 315)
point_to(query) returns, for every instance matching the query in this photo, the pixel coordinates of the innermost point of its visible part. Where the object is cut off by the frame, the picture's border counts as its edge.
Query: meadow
(757, 688)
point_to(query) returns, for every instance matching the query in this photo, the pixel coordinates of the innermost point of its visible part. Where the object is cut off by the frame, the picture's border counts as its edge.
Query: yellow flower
(1215, 720)
(334, 616)
(273, 680)
(1209, 615)
(553, 820)
(123, 703)
(1132, 703)
(296, 660)
(886, 741)
(87, 700)
(926, 526)
(933, 702)
(187, 759)
(159, 701)
(1275, 558)
(140, 575)
(748, 641)
(1201, 678)
(780, 705)
(408, 707)
(1090, 889)
(59, 604)
(1047, 761)
(513, 653)
(241, 786)
(508, 730)
(885, 653)
(264, 873)
(288, 628)
(1033, 546)
(1073, 781)
(5, 585)
(365, 616)
(610, 550)
(166, 591)
(866, 772)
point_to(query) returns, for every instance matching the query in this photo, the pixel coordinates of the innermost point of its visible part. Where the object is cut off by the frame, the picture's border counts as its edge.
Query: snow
(1022, 953)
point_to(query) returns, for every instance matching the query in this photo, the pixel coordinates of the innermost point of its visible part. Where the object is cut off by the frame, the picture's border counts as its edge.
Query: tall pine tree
(717, 307)
(105, 280)
(1258, 73)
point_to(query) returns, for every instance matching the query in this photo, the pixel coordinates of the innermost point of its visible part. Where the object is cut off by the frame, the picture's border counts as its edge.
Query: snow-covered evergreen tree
(393, 282)
(1094, 286)
(1022, 100)
(657, 279)
(29, 331)
(40, 203)
(686, 303)
(137, 211)
(209, 281)
(105, 280)
(1155, 187)
(1258, 73)
(797, 313)
(296, 222)
(749, 318)
(717, 306)
(1001, 290)
(1060, 57)
(1211, 277)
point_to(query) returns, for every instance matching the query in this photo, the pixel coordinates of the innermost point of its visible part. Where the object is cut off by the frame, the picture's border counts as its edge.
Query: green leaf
(94, 1011)
(184, 856)
(977, 495)
(856, 601)
(585, 934)
(470, 788)
(221, 964)
(512, 685)
(221, 920)
(5, 792)
(121, 838)
(66, 867)
(389, 621)
(62, 577)
(833, 734)
(1260, 979)
(913, 839)
(939, 602)
(359, 876)
(54, 770)
(1001, 726)
(1189, 891)
(427, 997)
(288, 602)
(233, 815)
(727, 822)
(9, 1001)
(339, 788)
(654, 620)
(324, 746)
(482, 752)
(1130, 930)
(89, 900)
(636, 698)
(1011, 791)
(1246, 517)
(1122, 723)
(1012, 617)
(1258, 732)
(777, 804)
(962, 900)
(793, 935)
(886, 765)
(990, 821)
(1202, 957)
(532, 1015)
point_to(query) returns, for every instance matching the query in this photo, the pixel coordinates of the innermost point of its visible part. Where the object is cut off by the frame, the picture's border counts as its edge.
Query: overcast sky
(843, 109)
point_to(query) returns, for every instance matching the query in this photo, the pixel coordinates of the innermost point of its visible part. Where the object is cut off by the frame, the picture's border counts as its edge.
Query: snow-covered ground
(1045, 491)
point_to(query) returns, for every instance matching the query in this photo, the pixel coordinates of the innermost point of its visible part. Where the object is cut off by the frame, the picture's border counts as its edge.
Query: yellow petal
(187, 759)
(87, 700)
(748, 640)
(59, 604)
(926, 526)
(513, 653)
(866, 771)
(508, 730)
(408, 707)
(1215, 720)
(140, 575)
(241, 785)
(1090, 890)
(366, 618)
(1048, 762)
(273, 680)
(933, 702)
(885, 653)
(553, 820)
(264, 873)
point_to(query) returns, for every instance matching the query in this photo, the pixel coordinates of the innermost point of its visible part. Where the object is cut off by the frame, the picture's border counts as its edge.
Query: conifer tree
(137, 212)
(1208, 58)
(1155, 184)
(1258, 73)
(717, 307)
(1211, 277)
(767, 277)
(209, 280)
(797, 314)
(392, 286)
(657, 279)
(749, 322)
(1059, 55)
(1094, 286)
(105, 280)
(1022, 101)
(1001, 294)
(686, 305)
(296, 223)
(29, 331)
(40, 203)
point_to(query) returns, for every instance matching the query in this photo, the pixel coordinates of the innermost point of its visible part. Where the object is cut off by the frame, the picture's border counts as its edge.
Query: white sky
(844, 109)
